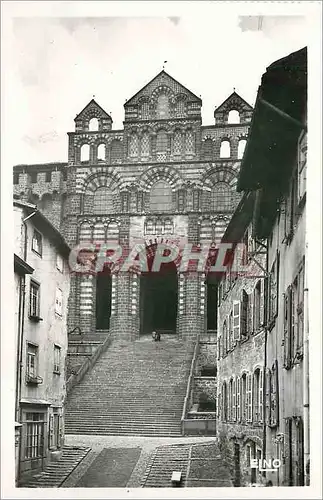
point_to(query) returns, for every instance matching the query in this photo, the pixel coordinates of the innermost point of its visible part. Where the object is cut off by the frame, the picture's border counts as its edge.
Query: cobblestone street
(134, 462)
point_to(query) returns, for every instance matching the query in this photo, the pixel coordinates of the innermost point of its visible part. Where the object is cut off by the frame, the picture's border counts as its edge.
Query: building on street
(41, 295)
(274, 169)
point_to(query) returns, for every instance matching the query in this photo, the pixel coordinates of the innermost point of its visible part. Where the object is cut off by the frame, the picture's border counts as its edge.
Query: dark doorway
(237, 475)
(103, 299)
(212, 305)
(158, 300)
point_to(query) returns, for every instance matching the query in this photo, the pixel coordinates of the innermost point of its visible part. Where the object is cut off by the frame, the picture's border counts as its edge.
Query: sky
(57, 65)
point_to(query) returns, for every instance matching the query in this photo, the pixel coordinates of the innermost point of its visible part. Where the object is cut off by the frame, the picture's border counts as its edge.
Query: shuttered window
(236, 321)
(274, 394)
(238, 387)
(234, 401)
(287, 327)
(249, 397)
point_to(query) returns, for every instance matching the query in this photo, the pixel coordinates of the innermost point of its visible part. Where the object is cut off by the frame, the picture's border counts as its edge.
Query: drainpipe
(306, 377)
(264, 381)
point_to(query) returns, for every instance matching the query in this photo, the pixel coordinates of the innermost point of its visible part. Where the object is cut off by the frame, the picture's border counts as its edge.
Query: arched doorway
(158, 298)
(103, 299)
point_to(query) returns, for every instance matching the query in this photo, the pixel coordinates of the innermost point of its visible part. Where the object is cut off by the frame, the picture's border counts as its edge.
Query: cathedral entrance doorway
(158, 300)
(103, 299)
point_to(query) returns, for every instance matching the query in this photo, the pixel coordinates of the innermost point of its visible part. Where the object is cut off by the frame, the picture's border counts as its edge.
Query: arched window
(181, 200)
(225, 149)
(234, 116)
(116, 150)
(85, 152)
(125, 202)
(133, 146)
(145, 145)
(161, 197)
(101, 152)
(221, 197)
(161, 142)
(103, 201)
(144, 111)
(189, 142)
(180, 108)
(93, 125)
(162, 106)
(196, 199)
(207, 149)
(177, 143)
(241, 148)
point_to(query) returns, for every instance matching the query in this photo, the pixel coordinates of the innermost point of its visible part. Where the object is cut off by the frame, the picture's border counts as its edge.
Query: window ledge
(56, 372)
(34, 380)
(35, 318)
(37, 253)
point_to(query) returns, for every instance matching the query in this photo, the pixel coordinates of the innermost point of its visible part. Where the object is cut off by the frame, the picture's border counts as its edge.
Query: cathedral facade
(164, 177)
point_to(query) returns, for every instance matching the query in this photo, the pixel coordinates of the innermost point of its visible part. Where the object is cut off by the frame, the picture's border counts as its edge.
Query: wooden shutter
(234, 401)
(61, 430)
(277, 284)
(268, 396)
(274, 396)
(287, 329)
(238, 400)
(249, 397)
(51, 431)
(236, 320)
(262, 303)
(260, 409)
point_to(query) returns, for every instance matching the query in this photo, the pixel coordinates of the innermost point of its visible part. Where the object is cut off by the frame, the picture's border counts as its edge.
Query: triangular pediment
(163, 79)
(93, 109)
(234, 101)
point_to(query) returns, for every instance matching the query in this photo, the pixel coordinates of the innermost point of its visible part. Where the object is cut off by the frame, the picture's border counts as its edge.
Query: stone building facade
(41, 297)
(276, 174)
(163, 177)
(241, 346)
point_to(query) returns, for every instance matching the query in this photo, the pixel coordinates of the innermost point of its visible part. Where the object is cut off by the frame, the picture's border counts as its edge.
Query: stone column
(123, 321)
(86, 292)
(191, 305)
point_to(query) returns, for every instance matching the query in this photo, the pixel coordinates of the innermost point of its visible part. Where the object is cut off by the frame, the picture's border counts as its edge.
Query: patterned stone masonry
(110, 192)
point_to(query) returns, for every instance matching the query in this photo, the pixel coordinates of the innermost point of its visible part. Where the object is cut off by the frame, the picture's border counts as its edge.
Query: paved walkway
(92, 473)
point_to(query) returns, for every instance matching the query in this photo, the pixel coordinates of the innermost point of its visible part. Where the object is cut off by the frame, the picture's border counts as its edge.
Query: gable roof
(92, 103)
(162, 75)
(233, 97)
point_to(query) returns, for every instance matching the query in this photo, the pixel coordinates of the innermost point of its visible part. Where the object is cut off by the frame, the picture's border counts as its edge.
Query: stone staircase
(201, 465)
(55, 473)
(135, 388)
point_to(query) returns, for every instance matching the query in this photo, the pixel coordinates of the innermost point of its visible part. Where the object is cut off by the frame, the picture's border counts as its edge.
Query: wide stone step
(135, 388)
